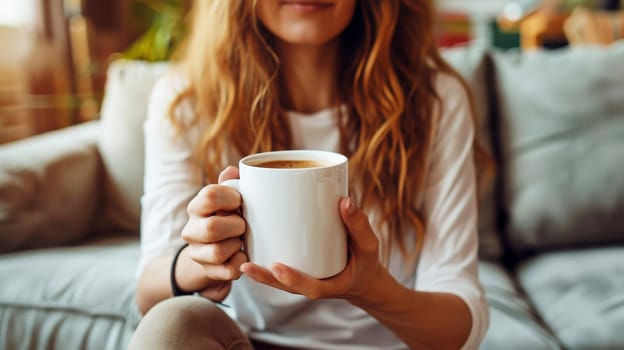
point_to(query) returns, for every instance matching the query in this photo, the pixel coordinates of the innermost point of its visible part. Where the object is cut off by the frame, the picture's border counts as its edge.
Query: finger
(303, 283)
(232, 266)
(293, 281)
(362, 237)
(215, 253)
(229, 173)
(264, 276)
(214, 198)
(228, 271)
(213, 229)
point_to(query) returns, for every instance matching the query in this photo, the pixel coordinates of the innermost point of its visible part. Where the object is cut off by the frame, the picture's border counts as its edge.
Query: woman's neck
(308, 76)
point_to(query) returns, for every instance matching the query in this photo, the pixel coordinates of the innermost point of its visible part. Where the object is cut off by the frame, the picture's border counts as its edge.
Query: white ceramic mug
(293, 214)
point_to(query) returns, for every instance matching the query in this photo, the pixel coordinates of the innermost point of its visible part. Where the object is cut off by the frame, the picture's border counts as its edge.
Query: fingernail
(350, 206)
(276, 270)
(245, 269)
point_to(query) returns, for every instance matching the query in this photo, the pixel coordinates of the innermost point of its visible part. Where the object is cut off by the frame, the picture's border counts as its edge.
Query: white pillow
(128, 87)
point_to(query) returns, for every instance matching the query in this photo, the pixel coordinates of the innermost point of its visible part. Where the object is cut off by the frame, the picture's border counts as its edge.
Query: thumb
(229, 173)
(361, 234)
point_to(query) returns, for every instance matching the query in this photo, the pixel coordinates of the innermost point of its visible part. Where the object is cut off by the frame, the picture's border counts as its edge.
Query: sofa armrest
(49, 188)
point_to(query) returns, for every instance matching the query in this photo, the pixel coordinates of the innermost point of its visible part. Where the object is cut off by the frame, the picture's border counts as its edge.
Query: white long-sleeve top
(447, 263)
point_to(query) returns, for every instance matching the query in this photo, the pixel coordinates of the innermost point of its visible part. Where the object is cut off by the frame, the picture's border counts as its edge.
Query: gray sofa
(551, 226)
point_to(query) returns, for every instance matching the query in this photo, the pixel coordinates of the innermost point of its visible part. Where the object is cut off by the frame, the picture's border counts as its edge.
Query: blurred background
(56, 52)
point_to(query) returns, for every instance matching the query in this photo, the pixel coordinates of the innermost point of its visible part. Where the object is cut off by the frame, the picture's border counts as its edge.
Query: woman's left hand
(363, 267)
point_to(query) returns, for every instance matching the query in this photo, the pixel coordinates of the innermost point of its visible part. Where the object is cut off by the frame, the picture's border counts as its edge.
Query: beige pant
(191, 322)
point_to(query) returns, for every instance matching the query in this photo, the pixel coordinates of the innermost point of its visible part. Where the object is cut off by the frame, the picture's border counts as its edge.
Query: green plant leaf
(164, 29)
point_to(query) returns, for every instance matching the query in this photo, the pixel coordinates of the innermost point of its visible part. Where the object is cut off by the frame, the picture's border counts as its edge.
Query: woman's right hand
(214, 234)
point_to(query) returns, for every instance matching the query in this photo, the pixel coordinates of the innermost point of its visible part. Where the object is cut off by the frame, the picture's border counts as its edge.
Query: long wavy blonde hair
(389, 60)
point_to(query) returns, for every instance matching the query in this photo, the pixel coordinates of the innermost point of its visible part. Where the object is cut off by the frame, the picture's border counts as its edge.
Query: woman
(363, 78)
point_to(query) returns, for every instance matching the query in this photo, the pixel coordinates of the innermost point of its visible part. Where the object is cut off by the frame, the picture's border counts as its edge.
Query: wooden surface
(15, 119)
(52, 73)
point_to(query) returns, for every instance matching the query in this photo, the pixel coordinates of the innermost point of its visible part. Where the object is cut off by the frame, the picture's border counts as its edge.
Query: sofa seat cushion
(75, 297)
(512, 323)
(580, 295)
(562, 141)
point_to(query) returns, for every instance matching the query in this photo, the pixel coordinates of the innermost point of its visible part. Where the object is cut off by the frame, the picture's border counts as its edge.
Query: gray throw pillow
(562, 138)
(48, 188)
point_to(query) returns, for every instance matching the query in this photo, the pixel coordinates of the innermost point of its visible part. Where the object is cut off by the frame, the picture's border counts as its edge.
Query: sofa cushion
(471, 62)
(580, 295)
(76, 297)
(124, 109)
(562, 140)
(48, 188)
(512, 323)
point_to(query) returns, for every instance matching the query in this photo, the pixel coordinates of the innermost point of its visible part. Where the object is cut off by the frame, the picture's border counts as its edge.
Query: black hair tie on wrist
(175, 289)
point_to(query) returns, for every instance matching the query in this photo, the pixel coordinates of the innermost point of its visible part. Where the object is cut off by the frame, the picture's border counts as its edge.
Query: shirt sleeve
(448, 262)
(171, 177)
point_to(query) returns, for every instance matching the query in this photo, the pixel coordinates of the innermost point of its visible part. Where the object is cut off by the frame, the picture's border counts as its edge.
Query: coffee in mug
(291, 206)
(290, 164)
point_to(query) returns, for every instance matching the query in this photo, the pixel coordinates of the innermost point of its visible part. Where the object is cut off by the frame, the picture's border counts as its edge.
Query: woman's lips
(307, 6)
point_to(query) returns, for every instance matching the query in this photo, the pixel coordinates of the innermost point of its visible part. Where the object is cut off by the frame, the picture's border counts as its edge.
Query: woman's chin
(305, 36)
